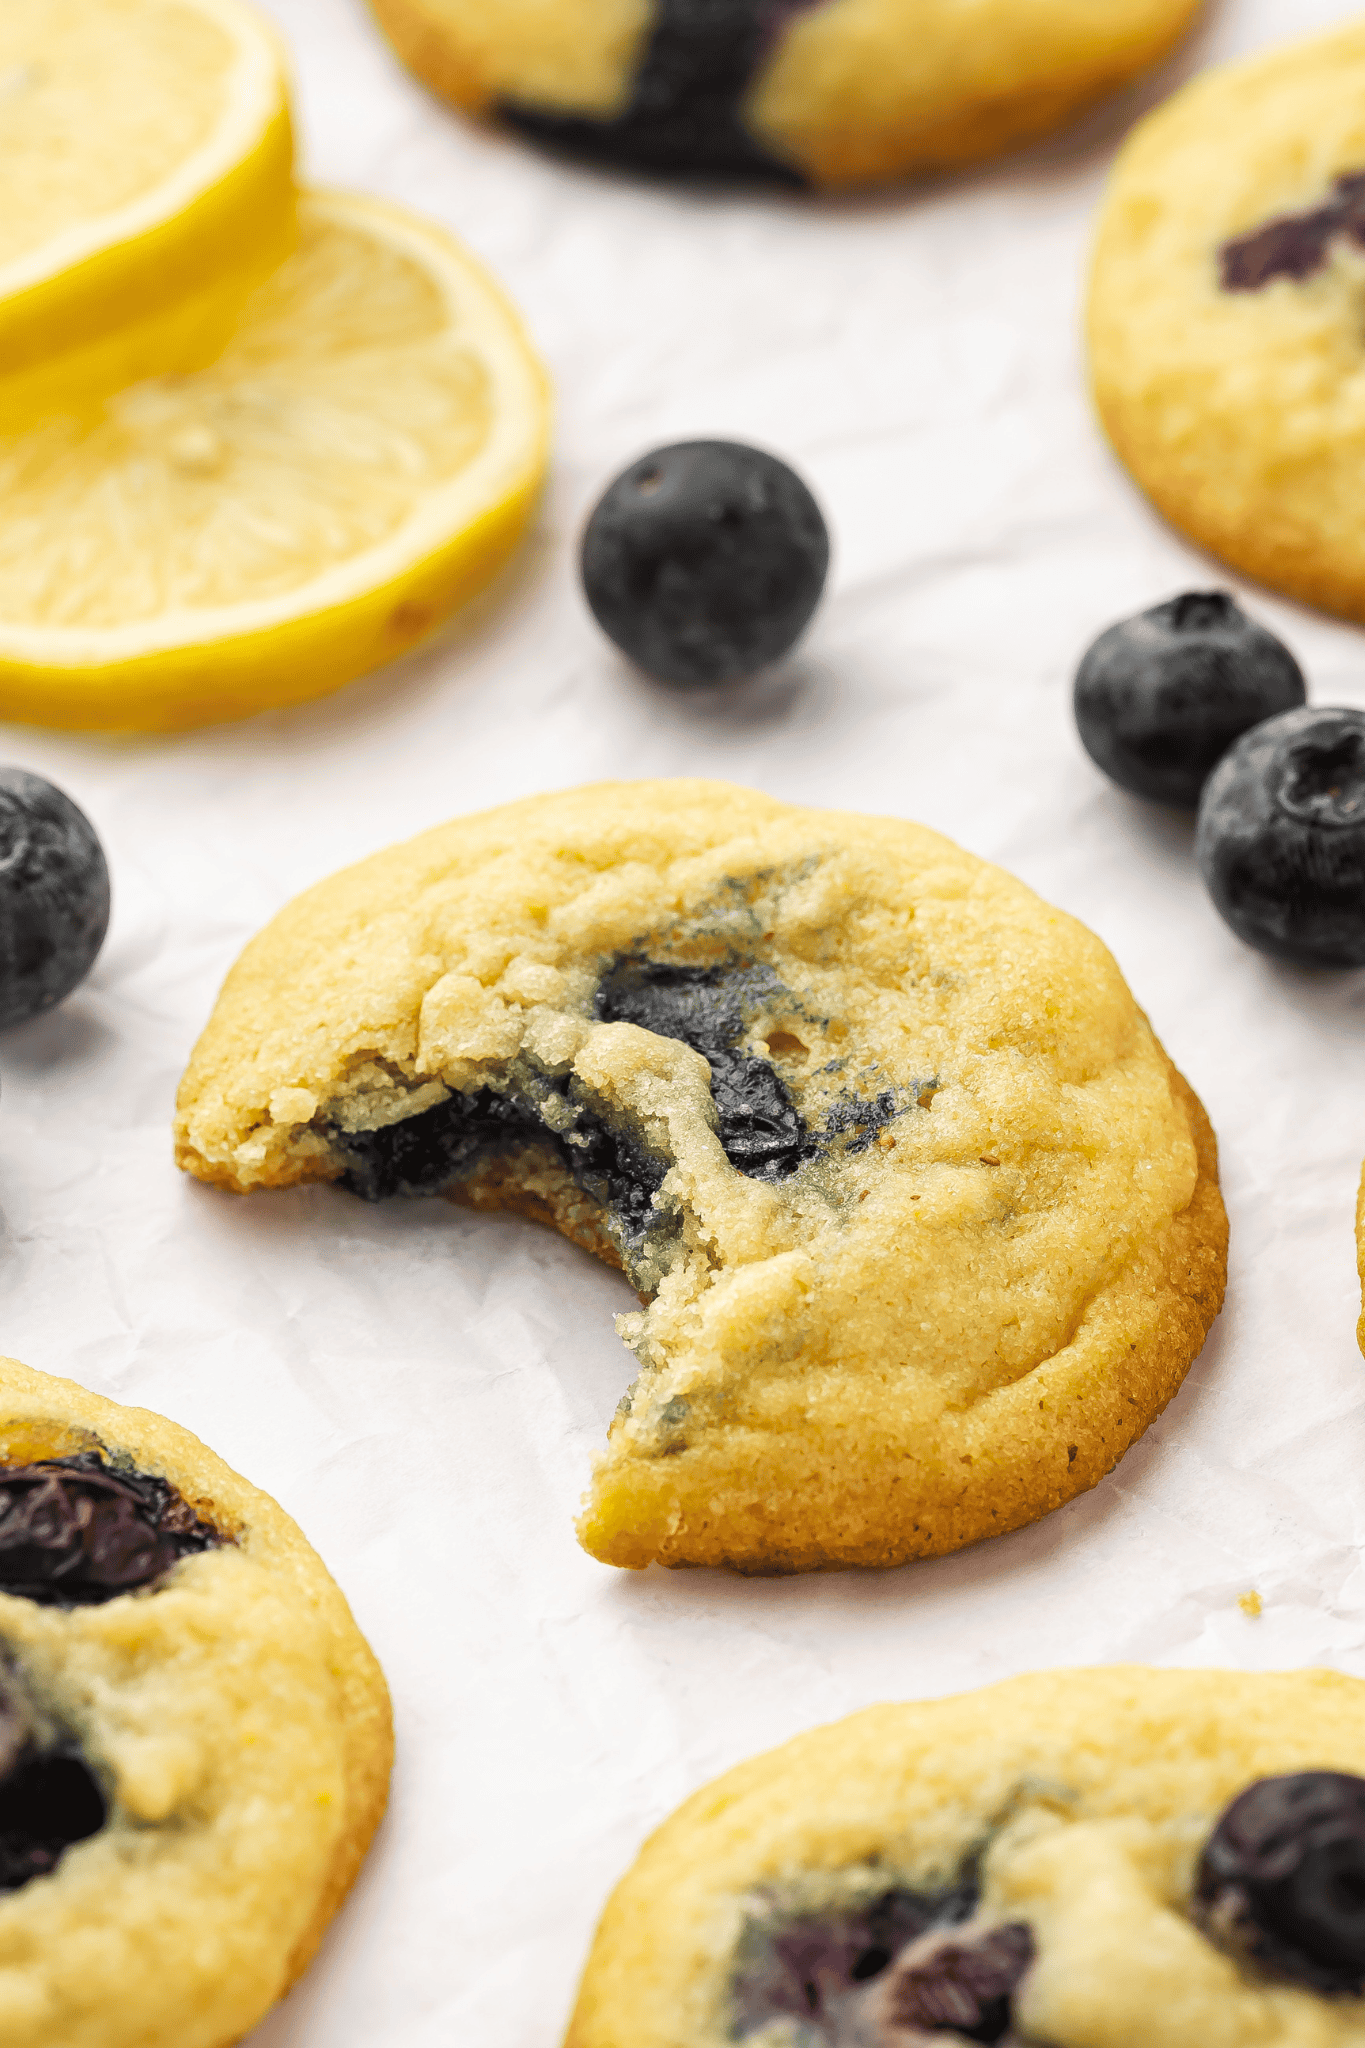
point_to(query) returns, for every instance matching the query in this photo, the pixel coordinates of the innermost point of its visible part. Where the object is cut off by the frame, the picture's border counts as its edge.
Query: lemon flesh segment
(360, 459)
(146, 160)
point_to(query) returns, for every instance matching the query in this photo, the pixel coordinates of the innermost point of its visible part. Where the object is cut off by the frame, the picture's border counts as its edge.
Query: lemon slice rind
(213, 227)
(190, 665)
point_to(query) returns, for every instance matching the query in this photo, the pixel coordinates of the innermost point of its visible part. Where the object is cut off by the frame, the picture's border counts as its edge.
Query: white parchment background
(423, 1388)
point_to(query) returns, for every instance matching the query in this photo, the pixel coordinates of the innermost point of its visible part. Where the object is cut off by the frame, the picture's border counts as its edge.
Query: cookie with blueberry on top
(1162, 1859)
(195, 1739)
(1224, 316)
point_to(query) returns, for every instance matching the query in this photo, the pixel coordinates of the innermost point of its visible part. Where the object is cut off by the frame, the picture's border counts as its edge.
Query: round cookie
(1052, 1860)
(195, 1739)
(1225, 330)
(825, 92)
(926, 1226)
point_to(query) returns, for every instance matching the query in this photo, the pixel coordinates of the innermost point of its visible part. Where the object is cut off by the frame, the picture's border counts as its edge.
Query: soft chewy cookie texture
(829, 92)
(926, 1227)
(1044, 1861)
(1226, 337)
(194, 1738)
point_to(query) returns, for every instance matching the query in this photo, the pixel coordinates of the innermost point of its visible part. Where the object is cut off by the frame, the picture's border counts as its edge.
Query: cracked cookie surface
(1227, 335)
(925, 1226)
(825, 92)
(1026, 1864)
(194, 1737)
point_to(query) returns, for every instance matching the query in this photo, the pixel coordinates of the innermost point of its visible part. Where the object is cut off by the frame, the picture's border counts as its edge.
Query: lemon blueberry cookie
(1158, 1859)
(828, 92)
(194, 1737)
(1225, 315)
(926, 1226)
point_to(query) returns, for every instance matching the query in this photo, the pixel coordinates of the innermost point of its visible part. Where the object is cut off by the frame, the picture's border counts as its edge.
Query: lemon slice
(361, 458)
(145, 179)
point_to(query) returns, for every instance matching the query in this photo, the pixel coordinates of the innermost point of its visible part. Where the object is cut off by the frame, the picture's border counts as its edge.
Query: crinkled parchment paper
(421, 1387)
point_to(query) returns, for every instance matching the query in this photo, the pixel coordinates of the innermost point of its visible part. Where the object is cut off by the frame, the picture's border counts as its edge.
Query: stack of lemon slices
(253, 441)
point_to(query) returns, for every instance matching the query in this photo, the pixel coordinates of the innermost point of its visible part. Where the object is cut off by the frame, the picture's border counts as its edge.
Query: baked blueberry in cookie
(1159, 1858)
(705, 561)
(74, 1531)
(1281, 837)
(1160, 697)
(826, 92)
(194, 1737)
(1282, 1878)
(1225, 330)
(54, 896)
(924, 1225)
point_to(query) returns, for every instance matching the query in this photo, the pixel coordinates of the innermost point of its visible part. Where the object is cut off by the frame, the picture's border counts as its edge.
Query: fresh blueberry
(1281, 837)
(54, 896)
(1282, 1878)
(1161, 697)
(705, 561)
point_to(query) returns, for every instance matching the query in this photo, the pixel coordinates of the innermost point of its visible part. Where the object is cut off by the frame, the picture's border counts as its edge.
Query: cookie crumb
(1250, 1604)
(887, 1142)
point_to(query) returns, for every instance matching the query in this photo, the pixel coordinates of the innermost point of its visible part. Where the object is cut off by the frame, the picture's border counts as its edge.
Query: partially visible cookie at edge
(1163, 1859)
(820, 92)
(926, 1227)
(195, 1739)
(1226, 340)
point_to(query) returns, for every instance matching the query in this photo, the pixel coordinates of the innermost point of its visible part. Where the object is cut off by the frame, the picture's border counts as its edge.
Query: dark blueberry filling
(963, 1986)
(760, 1127)
(1295, 244)
(685, 112)
(48, 1800)
(810, 1966)
(759, 1124)
(74, 1533)
(704, 1006)
(423, 1154)
(46, 1804)
(1282, 1879)
(863, 1121)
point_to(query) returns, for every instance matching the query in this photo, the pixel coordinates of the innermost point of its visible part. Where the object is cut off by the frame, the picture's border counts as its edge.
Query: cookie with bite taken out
(925, 1226)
